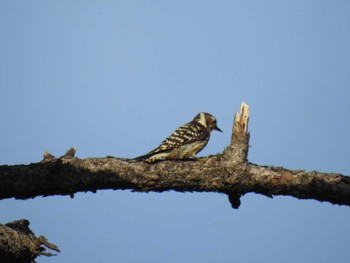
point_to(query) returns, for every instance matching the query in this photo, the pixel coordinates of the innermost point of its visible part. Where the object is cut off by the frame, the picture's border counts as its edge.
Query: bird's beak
(217, 128)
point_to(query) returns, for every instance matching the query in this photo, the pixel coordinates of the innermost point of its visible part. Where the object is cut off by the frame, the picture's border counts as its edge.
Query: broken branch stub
(240, 125)
(237, 151)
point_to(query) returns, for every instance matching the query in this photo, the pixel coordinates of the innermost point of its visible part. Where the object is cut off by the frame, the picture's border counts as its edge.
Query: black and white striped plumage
(186, 141)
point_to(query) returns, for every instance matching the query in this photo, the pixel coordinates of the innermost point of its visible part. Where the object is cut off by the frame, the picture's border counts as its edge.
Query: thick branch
(228, 173)
(211, 174)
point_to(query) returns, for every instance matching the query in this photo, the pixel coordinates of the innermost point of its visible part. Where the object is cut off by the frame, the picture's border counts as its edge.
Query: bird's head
(207, 120)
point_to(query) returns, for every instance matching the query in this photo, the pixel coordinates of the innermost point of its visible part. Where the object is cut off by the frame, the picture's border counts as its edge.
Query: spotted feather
(186, 141)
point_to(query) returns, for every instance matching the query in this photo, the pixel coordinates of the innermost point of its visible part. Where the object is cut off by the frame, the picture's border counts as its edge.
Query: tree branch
(228, 173)
(18, 244)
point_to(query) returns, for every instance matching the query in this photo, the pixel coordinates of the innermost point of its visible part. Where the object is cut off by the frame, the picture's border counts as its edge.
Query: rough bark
(18, 244)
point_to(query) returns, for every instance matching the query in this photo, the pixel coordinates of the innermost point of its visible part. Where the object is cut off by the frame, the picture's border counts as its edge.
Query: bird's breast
(186, 151)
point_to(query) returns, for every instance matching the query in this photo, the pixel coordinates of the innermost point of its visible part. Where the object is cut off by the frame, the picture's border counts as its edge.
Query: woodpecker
(186, 141)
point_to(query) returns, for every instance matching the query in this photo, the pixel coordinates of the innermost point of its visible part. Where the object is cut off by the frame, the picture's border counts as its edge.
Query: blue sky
(117, 77)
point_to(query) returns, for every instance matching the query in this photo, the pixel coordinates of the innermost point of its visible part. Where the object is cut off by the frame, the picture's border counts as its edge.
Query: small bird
(186, 141)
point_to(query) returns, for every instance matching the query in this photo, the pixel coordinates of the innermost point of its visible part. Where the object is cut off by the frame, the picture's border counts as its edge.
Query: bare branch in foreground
(18, 244)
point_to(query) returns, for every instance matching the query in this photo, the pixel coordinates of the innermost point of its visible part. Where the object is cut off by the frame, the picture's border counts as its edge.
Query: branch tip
(48, 156)
(240, 123)
(70, 153)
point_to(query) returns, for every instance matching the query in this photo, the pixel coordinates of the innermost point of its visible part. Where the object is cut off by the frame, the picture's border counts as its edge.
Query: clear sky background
(117, 77)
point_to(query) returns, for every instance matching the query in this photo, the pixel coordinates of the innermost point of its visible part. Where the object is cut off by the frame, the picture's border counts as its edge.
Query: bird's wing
(186, 134)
